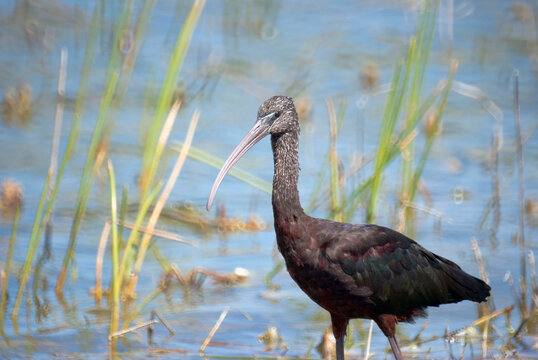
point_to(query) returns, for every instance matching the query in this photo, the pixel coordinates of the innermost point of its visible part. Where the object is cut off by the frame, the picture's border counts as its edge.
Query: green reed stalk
(154, 145)
(521, 198)
(165, 264)
(40, 222)
(84, 84)
(213, 161)
(388, 124)
(123, 213)
(358, 194)
(336, 187)
(406, 85)
(129, 51)
(131, 55)
(86, 184)
(78, 112)
(98, 136)
(151, 155)
(431, 136)
(325, 166)
(34, 240)
(133, 237)
(163, 137)
(140, 307)
(116, 280)
(424, 32)
(152, 222)
(334, 176)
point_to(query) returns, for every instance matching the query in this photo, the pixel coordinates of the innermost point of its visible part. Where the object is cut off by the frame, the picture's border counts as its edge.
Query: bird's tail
(463, 286)
(467, 287)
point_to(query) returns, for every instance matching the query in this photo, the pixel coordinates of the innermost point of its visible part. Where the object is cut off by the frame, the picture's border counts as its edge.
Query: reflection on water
(241, 53)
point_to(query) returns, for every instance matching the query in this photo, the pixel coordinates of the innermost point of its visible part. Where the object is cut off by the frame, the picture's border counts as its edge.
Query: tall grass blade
(85, 185)
(424, 35)
(162, 200)
(334, 187)
(521, 198)
(133, 237)
(213, 161)
(431, 136)
(48, 193)
(83, 86)
(406, 88)
(116, 281)
(388, 125)
(56, 143)
(32, 246)
(101, 248)
(150, 161)
(132, 50)
(357, 195)
(132, 316)
(325, 165)
(163, 137)
(77, 115)
(123, 213)
(98, 139)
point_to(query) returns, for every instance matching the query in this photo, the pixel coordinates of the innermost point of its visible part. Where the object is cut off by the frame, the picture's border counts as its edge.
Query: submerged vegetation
(98, 87)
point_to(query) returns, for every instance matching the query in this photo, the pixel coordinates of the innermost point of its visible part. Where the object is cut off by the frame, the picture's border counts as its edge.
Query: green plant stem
(430, 139)
(127, 254)
(151, 158)
(237, 172)
(384, 143)
(86, 184)
(116, 280)
(123, 213)
(140, 307)
(32, 246)
(144, 244)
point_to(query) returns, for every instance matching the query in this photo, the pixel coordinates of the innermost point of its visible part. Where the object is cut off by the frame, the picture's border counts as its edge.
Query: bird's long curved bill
(258, 132)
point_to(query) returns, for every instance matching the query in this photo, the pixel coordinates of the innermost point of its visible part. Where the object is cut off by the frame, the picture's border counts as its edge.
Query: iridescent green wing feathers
(398, 274)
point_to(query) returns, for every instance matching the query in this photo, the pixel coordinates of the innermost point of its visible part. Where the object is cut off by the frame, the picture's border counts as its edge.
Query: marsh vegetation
(420, 116)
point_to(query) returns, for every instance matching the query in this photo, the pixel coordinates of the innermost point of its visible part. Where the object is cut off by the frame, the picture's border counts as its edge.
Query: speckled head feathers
(286, 115)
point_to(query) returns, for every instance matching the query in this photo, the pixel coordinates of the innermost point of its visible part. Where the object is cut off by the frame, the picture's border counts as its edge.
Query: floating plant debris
(272, 339)
(18, 105)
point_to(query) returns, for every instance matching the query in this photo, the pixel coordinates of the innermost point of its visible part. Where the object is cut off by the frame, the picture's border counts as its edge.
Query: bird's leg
(395, 348)
(387, 324)
(340, 349)
(339, 330)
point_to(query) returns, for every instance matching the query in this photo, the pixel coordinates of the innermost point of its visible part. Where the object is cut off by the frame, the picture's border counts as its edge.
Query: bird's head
(280, 115)
(276, 116)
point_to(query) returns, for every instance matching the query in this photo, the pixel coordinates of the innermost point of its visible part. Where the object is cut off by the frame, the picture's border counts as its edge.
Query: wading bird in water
(352, 271)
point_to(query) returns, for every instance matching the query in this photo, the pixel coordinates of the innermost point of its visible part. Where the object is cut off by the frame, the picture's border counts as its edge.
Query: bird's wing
(398, 274)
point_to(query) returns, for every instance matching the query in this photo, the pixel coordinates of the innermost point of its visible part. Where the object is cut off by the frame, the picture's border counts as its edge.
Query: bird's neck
(285, 179)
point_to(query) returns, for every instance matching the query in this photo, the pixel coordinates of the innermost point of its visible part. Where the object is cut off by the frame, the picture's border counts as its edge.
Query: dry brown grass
(17, 106)
(10, 198)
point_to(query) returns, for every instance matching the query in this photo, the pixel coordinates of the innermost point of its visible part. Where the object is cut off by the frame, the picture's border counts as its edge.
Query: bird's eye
(277, 114)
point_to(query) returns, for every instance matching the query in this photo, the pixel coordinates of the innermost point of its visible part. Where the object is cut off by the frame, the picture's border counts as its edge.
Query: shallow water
(249, 51)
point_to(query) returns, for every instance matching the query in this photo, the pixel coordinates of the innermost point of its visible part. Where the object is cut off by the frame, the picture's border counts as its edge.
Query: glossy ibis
(352, 271)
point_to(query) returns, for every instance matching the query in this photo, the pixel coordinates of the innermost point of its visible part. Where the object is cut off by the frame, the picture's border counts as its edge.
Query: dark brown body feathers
(369, 271)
